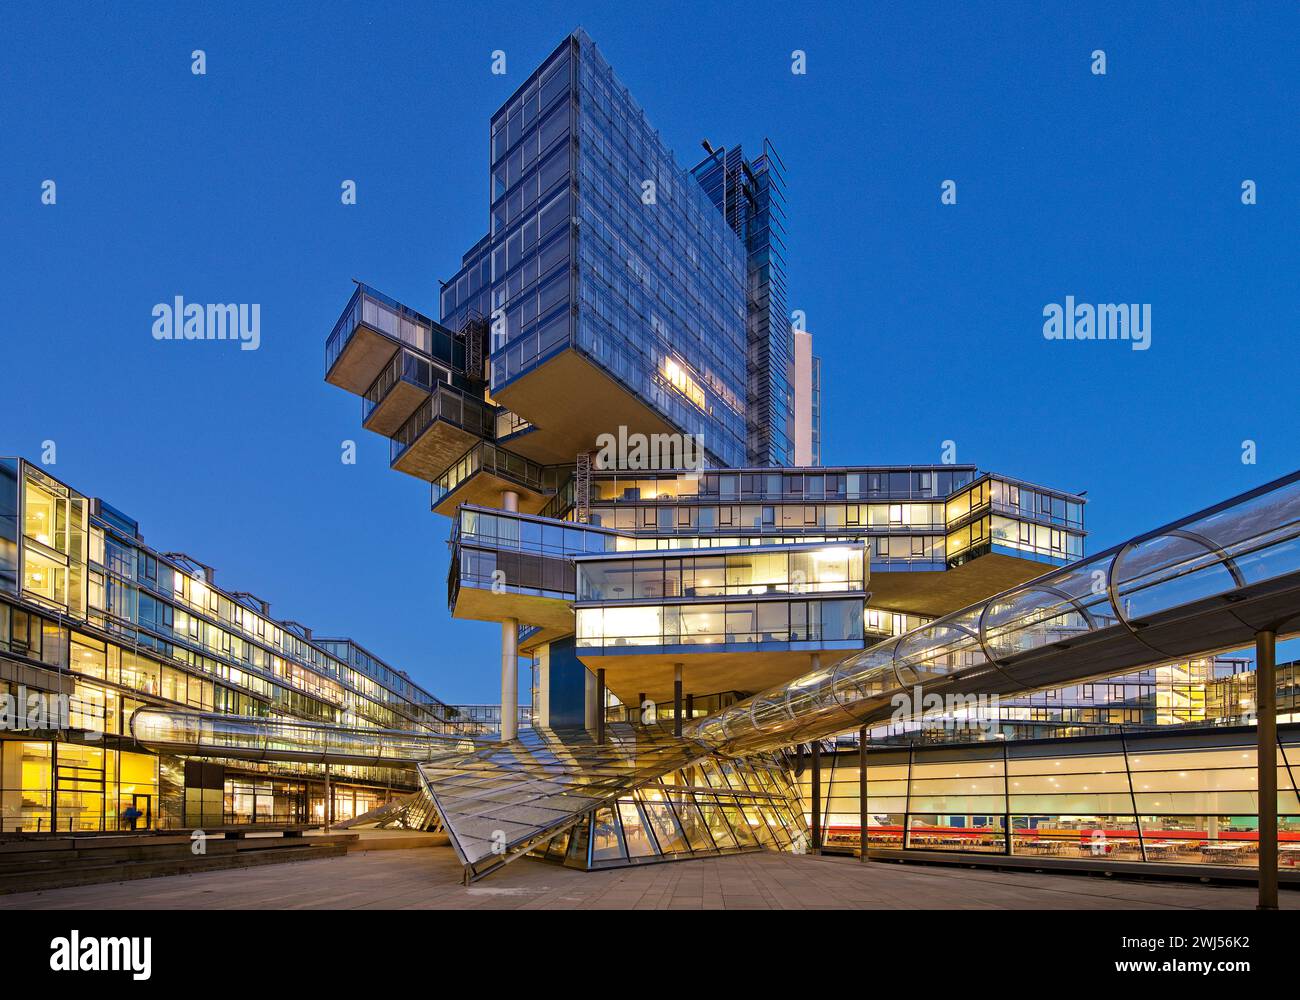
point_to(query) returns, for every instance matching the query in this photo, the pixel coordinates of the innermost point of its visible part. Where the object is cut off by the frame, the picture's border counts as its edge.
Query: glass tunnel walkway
(1211, 582)
(244, 738)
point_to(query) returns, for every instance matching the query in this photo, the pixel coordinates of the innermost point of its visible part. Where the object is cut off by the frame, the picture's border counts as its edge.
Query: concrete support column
(509, 652)
(690, 706)
(600, 705)
(589, 703)
(542, 667)
(677, 699)
(509, 678)
(1266, 762)
(816, 797)
(329, 800)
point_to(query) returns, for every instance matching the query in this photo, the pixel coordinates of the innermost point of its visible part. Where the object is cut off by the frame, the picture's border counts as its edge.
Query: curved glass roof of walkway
(245, 738)
(1206, 583)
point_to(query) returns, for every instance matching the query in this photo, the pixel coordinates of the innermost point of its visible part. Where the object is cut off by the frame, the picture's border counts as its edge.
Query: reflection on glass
(635, 834)
(606, 838)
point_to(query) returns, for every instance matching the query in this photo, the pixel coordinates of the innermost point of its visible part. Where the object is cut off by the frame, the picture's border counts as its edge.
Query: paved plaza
(429, 878)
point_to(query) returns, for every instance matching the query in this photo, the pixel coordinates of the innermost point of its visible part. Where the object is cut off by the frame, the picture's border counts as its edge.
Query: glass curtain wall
(715, 807)
(1138, 800)
(73, 788)
(835, 569)
(733, 622)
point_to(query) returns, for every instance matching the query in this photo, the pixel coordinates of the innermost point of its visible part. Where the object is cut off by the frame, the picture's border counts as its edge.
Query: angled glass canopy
(714, 807)
(501, 801)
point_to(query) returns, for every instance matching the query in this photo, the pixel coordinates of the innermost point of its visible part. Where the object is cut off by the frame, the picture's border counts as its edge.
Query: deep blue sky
(225, 188)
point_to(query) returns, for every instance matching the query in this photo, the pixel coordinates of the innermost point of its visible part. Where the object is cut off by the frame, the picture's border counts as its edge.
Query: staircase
(582, 489)
(406, 812)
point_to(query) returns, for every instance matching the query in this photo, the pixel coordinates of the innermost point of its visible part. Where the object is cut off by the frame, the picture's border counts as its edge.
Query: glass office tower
(751, 197)
(603, 258)
(617, 293)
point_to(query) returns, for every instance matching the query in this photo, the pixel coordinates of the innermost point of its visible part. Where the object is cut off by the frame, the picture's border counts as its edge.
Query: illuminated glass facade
(1000, 515)
(751, 597)
(600, 242)
(1185, 797)
(925, 518)
(89, 611)
(752, 572)
(1217, 690)
(645, 586)
(824, 624)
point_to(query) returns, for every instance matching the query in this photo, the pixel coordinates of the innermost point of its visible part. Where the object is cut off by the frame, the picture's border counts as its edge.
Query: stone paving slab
(429, 878)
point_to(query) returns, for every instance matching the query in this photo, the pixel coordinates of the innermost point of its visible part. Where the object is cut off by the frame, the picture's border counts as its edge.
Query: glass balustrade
(447, 403)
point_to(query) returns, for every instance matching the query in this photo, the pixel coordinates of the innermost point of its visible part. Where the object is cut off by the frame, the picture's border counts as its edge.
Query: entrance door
(143, 804)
